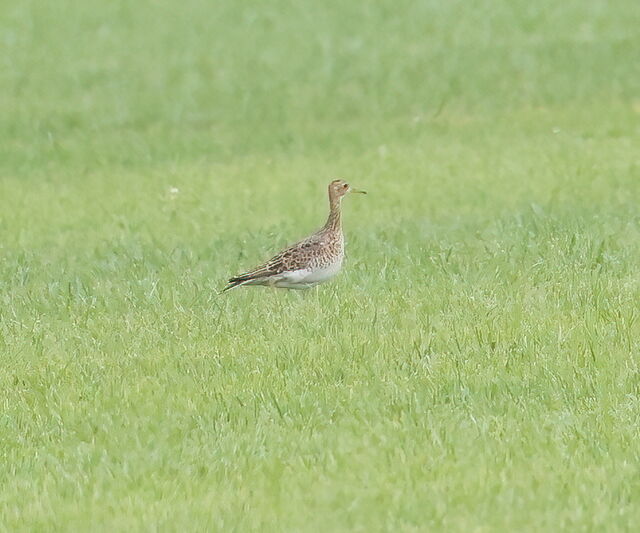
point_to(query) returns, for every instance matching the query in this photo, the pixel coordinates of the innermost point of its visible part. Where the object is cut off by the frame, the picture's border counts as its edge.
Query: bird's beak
(358, 191)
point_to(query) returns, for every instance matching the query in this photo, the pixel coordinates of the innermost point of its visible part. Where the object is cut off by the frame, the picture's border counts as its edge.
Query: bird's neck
(334, 222)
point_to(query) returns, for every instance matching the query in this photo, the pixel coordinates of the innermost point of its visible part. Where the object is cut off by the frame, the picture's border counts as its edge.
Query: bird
(311, 261)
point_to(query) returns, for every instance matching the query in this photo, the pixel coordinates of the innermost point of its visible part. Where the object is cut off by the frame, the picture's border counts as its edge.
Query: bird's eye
(345, 186)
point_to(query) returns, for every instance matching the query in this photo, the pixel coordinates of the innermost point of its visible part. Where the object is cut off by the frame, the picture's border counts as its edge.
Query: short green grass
(476, 366)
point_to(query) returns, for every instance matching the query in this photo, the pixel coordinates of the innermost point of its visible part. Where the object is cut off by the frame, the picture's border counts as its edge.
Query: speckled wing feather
(295, 257)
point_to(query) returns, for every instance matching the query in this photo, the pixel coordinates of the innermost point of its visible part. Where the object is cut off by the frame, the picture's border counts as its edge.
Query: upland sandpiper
(313, 260)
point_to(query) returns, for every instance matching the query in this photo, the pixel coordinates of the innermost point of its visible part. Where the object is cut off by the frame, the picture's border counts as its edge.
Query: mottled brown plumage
(310, 261)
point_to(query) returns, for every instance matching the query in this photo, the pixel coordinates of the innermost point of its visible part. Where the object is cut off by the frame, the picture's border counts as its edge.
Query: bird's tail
(233, 283)
(237, 281)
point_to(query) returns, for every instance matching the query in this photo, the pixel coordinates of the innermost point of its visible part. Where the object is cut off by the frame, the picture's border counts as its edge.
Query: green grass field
(476, 365)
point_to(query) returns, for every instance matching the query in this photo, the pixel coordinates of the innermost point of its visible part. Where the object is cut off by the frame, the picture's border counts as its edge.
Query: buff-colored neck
(334, 222)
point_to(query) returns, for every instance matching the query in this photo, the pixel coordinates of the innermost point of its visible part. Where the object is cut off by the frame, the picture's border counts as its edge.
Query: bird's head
(338, 188)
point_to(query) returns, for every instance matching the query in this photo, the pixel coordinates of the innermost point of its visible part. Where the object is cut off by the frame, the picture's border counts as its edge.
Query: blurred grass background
(162, 82)
(473, 368)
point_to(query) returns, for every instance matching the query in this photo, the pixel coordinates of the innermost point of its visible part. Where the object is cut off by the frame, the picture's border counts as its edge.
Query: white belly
(303, 279)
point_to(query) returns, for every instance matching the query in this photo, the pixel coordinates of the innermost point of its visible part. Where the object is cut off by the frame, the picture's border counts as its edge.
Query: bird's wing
(292, 258)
